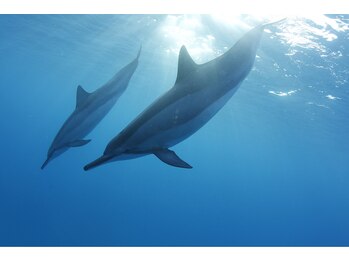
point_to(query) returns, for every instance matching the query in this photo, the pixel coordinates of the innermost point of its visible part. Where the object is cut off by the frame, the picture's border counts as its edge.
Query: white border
(172, 6)
(175, 254)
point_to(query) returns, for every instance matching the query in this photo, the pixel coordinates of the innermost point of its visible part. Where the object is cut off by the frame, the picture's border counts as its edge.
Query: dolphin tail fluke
(274, 22)
(99, 161)
(169, 157)
(139, 52)
(45, 163)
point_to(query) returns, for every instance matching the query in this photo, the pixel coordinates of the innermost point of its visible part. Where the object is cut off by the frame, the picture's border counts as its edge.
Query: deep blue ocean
(270, 169)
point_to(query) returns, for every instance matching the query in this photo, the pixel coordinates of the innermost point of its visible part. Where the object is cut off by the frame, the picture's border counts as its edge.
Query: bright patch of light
(245, 21)
(230, 20)
(325, 22)
(297, 33)
(283, 93)
(331, 97)
(318, 105)
(189, 31)
(307, 32)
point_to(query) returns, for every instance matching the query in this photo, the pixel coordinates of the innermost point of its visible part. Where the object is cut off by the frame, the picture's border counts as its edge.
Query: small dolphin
(199, 92)
(90, 109)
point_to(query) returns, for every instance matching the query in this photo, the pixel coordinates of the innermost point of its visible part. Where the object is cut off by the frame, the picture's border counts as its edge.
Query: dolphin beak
(99, 161)
(45, 163)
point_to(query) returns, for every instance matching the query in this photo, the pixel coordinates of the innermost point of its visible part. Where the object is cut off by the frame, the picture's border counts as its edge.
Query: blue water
(270, 169)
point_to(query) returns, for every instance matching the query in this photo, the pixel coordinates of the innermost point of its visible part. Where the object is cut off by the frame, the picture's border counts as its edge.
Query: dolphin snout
(45, 163)
(99, 161)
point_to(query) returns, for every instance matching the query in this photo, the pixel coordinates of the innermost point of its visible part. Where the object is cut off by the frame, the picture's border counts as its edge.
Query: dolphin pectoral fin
(169, 157)
(78, 143)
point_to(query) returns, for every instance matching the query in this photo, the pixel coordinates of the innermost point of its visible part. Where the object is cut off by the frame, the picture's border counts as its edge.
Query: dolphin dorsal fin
(185, 64)
(81, 96)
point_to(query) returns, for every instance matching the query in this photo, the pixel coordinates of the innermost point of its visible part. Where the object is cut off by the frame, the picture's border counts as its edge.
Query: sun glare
(298, 32)
(188, 30)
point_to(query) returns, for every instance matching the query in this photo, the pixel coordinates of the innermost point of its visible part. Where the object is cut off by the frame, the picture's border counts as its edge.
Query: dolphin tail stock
(169, 157)
(99, 161)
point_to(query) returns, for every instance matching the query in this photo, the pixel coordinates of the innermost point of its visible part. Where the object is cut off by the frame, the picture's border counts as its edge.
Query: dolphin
(90, 109)
(199, 92)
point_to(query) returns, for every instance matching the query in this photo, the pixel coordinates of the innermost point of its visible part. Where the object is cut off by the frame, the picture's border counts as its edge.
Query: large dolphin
(199, 92)
(90, 109)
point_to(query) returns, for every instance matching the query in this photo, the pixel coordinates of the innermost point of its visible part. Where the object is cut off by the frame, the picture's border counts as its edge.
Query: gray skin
(90, 109)
(199, 92)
